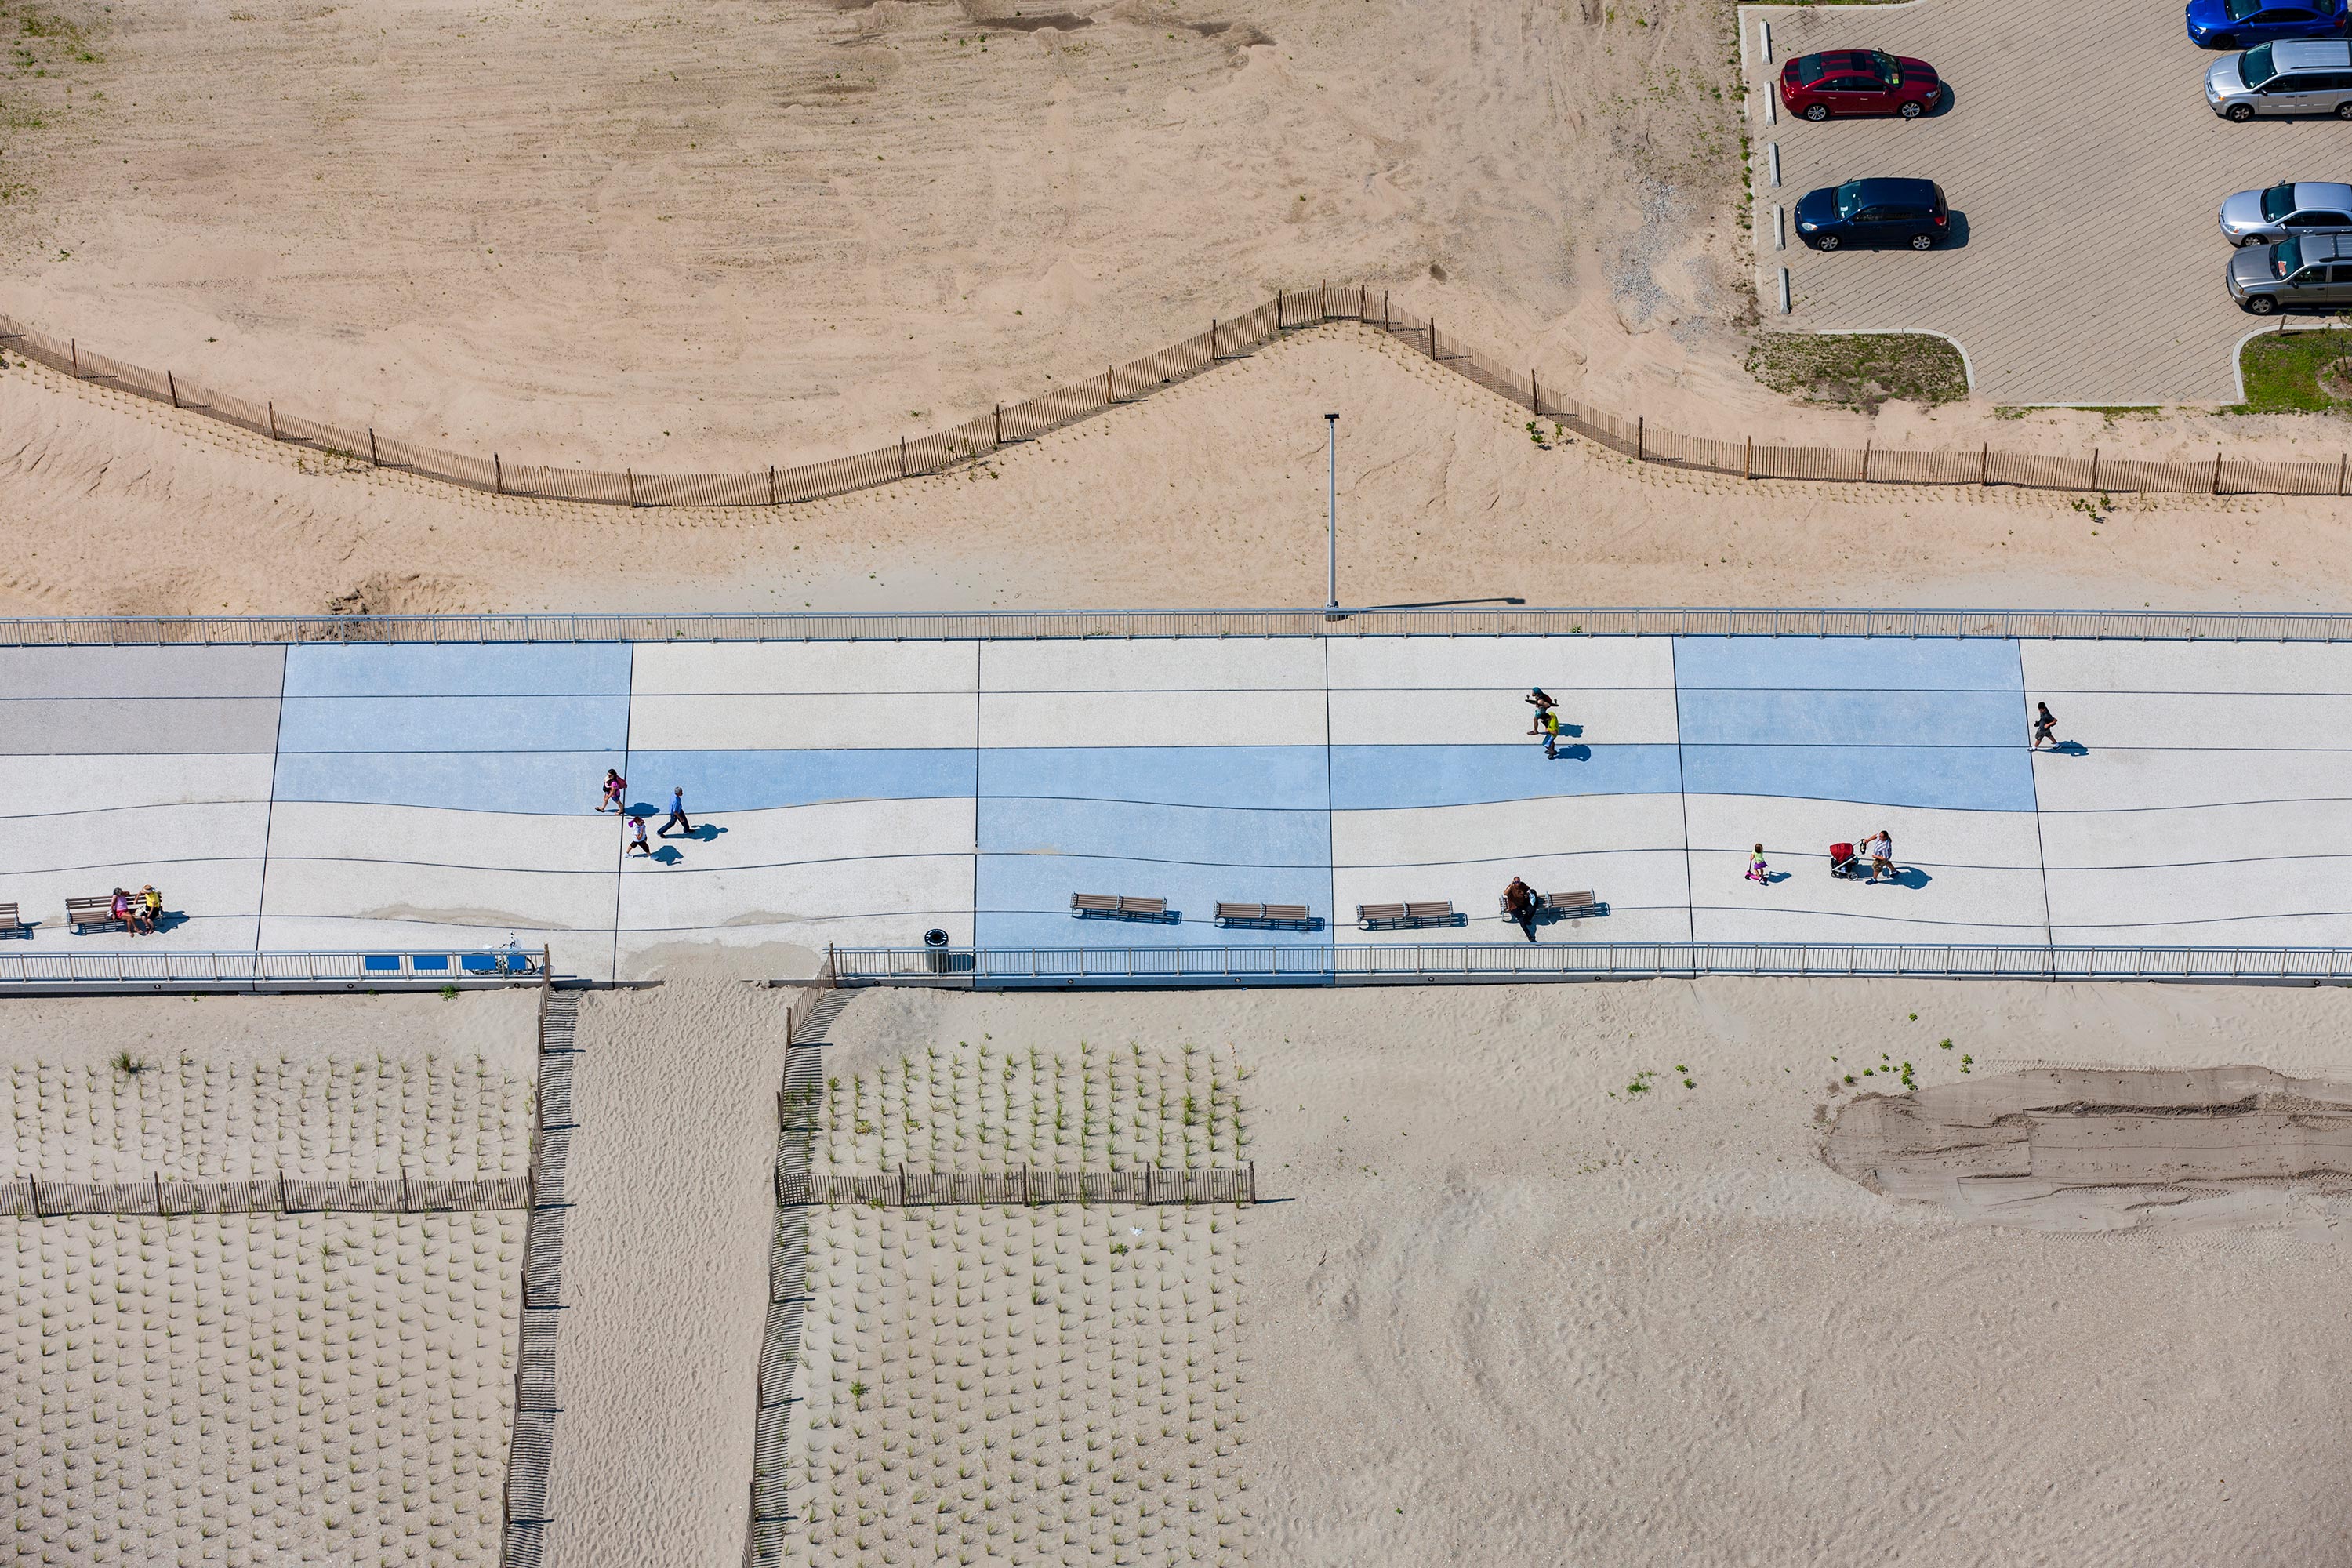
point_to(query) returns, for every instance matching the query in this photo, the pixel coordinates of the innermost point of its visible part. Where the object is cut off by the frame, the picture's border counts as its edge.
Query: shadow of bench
(1267, 917)
(1122, 907)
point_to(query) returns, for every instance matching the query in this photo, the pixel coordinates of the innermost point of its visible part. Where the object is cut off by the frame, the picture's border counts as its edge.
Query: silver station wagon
(2311, 269)
(2286, 209)
(2293, 76)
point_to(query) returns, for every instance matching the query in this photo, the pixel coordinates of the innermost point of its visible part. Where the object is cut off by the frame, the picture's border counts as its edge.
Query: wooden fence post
(73, 347)
(1984, 465)
(2094, 469)
(498, 475)
(1641, 438)
(1361, 292)
(771, 484)
(2216, 471)
(902, 456)
(372, 463)
(1213, 340)
(1747, 468)
(1111, 392)
(2340, 468)
(1433, 338)
(1384, 310)
(273, 419)
(173, 383)
(1865, 459)
(902, 1184)
(160, 1207)
(1534, 396)
(1000, 428)
(1277, 310)
(631, 475)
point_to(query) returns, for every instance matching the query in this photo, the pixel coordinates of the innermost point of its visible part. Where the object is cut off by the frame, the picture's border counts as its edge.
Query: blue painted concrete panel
(1851, 664)
(459, 670)
(1278, 777)
(453, 723)
(1025, 901)
(1958, 777)
(1372, 778)
(557, 783)
(761, 781)
(1853, 718)
(1149, 834)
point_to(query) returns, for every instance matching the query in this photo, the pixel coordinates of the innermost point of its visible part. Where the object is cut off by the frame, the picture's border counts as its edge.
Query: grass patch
(2296, 373)
(1860, 370)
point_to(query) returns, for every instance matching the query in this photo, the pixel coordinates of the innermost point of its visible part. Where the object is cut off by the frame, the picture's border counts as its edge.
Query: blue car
(2243, 24)
(1874, 213)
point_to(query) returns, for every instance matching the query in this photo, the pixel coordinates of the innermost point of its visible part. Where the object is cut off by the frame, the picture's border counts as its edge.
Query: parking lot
(2083, 170)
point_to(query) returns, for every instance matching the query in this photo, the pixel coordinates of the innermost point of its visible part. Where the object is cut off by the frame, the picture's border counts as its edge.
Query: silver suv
(2292, 75)
(2310, 269)
(2288, 208)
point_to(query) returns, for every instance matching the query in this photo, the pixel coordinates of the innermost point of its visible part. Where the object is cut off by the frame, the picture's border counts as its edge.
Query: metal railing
(2171, 626)
(154, 971)
(1405, 963)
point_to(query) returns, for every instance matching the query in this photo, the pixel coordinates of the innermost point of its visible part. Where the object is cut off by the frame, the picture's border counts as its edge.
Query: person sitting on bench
(1520, 903)
(151, 903)
(126, 909)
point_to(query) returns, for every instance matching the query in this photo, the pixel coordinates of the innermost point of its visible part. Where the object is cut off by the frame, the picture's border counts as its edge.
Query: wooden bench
(1409, 916)
(1267, 917)
(1120, 907)
(12, 923)
(98, 913)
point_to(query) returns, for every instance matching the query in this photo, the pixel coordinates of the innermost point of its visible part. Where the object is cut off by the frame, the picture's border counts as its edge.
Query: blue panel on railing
(428, 961)
(480, 962)
(382, 961)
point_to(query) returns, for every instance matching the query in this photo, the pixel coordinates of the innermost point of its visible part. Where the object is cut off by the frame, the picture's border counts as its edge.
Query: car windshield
(2240, 9)
(1809, 69)
(1884, 64)
(2277, 202)
(2255, 66)
(1849, 198)
(2286, 259)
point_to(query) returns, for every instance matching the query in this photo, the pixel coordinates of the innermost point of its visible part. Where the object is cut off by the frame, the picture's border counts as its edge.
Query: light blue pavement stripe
(1849, 664)
(1273, 777)
(453, 723)
(1862, 718)
(1955, 777)
(1374, 778)
(1191, 835)
(719, 782)
(456, 670)
(546, 783)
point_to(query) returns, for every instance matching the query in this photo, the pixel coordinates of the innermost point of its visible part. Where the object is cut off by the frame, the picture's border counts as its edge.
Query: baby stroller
(1844, 863)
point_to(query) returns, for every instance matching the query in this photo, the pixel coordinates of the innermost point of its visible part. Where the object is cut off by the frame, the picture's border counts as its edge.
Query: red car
(1859, 82)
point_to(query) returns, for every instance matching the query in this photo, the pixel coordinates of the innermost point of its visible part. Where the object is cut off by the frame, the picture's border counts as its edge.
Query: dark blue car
(1874, 212)
(2243, 24)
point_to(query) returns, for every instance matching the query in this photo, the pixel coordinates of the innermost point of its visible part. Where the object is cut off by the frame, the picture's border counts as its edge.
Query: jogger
(2046, 726)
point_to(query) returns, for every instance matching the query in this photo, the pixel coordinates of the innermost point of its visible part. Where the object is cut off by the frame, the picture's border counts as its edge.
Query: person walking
(676, 814)
(615, 788)
(1548, 721)
(1882, 854)
(1520, 904)
(2046, 726)
(1756, 869)
(637, 844)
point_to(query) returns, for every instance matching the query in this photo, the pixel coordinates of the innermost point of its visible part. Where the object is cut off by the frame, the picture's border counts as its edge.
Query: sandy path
(1211, 493)
(1520, 1313)
(666, 1259)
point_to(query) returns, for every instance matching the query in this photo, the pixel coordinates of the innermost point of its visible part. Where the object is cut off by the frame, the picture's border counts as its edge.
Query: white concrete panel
(1084, 718)
(682, 898)
(2280, 931)
(2053, 668)
(36, 785)
(866, 668)
(2100, 721)
(455, 897)
(1231, 663)
(585, 954)
(801, 722)
(790, 951)
(1504, 664)
(214, 903)
(1467, 716)
(1764, 923)
(1993, 902)
(2157, 901)
(2233, 841)
(1571, 824)
(1645, 894)
(834, 831)
(432, 836)
(2123, 780)
(1797, 834)
(155, 837)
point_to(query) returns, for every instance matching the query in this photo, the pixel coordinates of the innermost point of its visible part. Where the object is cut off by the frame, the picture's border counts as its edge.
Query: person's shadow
(2072, 749)
(1910, 877)
(667, 855)
(1576, 754)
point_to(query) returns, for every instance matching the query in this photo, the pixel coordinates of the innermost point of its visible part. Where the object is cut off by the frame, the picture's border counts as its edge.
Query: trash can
(935, 951)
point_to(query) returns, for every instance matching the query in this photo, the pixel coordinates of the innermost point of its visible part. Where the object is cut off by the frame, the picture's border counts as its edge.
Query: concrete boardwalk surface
(2085, 172)
(335, 797)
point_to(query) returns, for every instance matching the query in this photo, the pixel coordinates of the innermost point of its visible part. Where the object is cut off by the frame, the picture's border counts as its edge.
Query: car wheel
(2240, 112)
(1826, 242)
(1923, 242)
(1817, 112)
(1910, 112)
(2344, 110)
(2259, 304)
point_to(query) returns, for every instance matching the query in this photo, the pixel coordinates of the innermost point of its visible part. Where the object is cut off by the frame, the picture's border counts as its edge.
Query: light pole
(1332, 516)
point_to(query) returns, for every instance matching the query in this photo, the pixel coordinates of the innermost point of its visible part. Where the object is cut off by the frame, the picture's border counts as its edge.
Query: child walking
(637, 844)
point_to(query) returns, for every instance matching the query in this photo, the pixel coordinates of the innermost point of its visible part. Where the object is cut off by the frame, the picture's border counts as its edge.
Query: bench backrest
(1240, 911)
(1580, 899)
(1441, 910)
(104, 906)
(9, 915)
(1380, 911)
(1108, 902)
(1127, 906)
(1286, 911)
